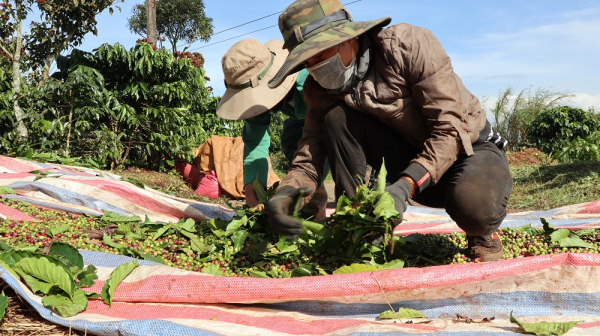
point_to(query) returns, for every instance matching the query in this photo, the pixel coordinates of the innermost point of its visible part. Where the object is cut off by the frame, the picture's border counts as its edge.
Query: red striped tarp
(83, 190)
(160, 300)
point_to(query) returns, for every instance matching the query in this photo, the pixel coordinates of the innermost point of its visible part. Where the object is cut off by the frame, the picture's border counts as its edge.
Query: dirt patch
(526, 157)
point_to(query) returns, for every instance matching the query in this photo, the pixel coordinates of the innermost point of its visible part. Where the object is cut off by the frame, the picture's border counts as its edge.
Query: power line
(243, 24)
(231, 38)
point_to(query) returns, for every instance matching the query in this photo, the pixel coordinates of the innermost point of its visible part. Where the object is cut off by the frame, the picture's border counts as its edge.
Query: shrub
(566, 133)
(117, 107)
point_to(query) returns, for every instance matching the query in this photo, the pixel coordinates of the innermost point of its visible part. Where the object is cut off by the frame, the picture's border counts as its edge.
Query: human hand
(280, 208)
(400, 192)
(251, 198)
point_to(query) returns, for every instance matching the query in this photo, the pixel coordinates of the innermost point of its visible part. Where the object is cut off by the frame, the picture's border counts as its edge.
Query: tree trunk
(70, 125)
(16, 73)
(151, 21)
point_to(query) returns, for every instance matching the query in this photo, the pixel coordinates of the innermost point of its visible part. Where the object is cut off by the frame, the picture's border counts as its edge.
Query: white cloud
(585, 101)
(562, 55)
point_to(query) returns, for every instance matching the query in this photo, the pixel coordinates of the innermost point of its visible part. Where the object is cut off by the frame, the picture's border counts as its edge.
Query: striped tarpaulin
(83, 190)
(160, 300)
(429, 220)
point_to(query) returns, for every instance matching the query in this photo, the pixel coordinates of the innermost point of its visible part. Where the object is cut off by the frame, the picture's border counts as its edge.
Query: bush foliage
(118, 107)
(567, 134)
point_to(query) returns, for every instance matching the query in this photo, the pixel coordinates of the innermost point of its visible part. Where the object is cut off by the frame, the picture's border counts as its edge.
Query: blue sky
(493, 44)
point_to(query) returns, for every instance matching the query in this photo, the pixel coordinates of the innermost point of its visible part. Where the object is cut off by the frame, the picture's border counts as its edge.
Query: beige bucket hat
(248, 66)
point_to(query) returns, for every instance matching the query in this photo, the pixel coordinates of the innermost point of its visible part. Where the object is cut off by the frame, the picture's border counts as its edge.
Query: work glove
(281, 207)
(400, 192)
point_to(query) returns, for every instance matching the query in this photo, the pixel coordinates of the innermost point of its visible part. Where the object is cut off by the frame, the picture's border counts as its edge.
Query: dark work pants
(474, 190)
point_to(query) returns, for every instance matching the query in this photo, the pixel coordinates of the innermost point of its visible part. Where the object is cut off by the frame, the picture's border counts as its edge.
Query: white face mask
(331, 73)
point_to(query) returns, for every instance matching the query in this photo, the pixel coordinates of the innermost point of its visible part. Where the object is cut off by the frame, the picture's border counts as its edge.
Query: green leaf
(199, 247)
(212, 269)
(187, 225)
(64, 305)
(545, 328)
(388, 315)
(548, 228)
(316, 228)
(385, 207)
(91, 295)
(5, 247)
(7, 190)
(575, 242)
(521, 229)
(37, 287)
(285, 246)
(112, 217)
(12, 258)
(258, 274)
(559, 234)
(53, 231)
(585, 232)
(356, 268)
(304, 270)
(150, 257)
(402, 313)
(381, 178)
(67, 252)
(9, 269)
(87, 276)
(409, 313)
(161, 231)
(261, 192)
(44, 270)
(535, 231)
(235, 224)
(343, 205)
(398, 263)
(106, 239)
(117, 275)
(3, 305)
(239, 238)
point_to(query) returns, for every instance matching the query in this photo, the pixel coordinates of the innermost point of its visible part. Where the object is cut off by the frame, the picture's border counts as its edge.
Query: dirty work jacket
(256, 136)
(411, 87)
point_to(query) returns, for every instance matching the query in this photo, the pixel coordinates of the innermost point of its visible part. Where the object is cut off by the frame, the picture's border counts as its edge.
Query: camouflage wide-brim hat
(310, 27)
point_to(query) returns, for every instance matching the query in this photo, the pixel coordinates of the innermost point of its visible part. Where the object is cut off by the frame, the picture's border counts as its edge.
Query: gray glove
(280, 208)
(400, 192)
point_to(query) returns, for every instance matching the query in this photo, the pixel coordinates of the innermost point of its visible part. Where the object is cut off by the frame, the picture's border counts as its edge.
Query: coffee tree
(566, 133)
(117, 106)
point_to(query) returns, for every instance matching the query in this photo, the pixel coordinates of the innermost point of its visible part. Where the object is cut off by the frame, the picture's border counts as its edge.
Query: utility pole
(151, 21)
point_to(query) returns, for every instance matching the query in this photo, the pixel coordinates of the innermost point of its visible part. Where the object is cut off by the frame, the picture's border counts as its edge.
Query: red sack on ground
(189, 172)
(209, 186)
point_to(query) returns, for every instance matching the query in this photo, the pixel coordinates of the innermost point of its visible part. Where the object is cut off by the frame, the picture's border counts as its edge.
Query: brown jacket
(412, 88)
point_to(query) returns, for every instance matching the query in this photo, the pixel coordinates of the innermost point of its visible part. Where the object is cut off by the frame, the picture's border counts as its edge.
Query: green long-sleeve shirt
(256, 136)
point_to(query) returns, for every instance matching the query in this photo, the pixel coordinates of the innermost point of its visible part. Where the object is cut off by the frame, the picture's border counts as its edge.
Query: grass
(171, 183)
(539, 182)
(548, 186)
